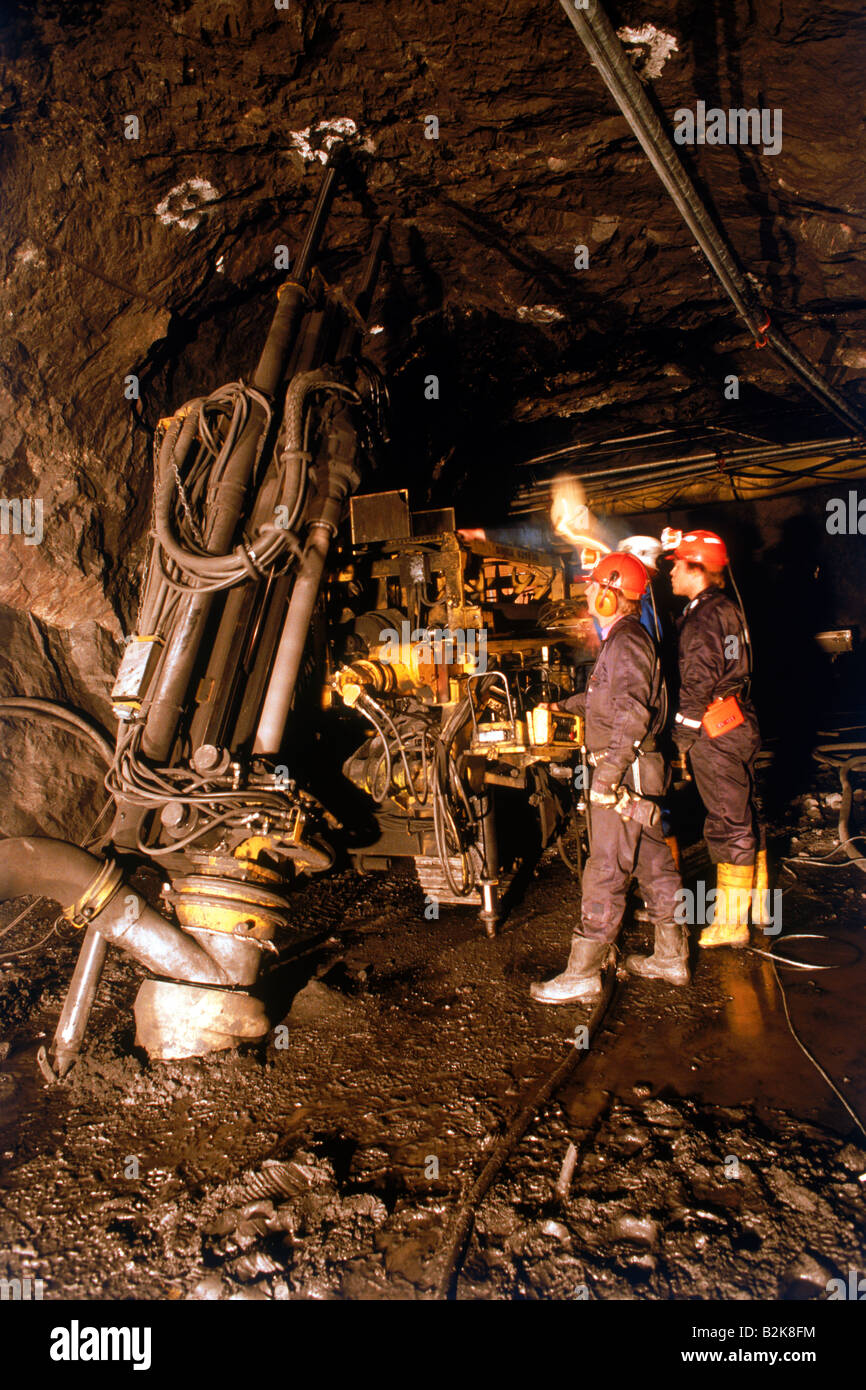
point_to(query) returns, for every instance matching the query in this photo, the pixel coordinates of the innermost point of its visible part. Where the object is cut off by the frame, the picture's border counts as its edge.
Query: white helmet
(646, 548)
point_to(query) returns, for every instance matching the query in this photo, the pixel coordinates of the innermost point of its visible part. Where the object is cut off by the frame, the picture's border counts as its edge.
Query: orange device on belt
(722, 716)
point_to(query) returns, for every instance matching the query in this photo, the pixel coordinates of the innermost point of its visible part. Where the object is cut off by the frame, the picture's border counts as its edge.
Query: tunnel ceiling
(155, 256)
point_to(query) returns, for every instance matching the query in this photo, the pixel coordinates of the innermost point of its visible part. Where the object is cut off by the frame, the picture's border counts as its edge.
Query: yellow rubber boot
(761, 892)
(733, 893)
(673, 845)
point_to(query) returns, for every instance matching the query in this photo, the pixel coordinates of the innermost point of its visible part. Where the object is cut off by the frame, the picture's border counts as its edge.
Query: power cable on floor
(827, 862)
(460, 1229)
(804, 965)
(853, 759)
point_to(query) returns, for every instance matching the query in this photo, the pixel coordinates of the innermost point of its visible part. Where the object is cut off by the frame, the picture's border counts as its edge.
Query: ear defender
(616, 573)
(605, 603)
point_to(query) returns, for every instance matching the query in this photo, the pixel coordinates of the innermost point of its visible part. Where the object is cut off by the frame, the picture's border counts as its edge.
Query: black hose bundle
(193, 459)
(611, 62)
(141, 784)
(852, 759)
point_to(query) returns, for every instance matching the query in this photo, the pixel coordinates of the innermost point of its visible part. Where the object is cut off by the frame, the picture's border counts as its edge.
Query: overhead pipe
(607, 55)
(644, 470)
(730, 470)
(694, 433)
(579, 447)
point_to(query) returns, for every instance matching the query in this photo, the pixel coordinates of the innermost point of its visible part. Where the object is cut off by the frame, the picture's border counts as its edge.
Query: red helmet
(702, 548)
(622, 572)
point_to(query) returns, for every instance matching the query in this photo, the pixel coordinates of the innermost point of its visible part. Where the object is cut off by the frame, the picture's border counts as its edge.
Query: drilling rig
(454, 652)
(293, 694)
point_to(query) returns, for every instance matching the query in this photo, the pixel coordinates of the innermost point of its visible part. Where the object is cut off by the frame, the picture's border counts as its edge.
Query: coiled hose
(853, 760)
(179, 499)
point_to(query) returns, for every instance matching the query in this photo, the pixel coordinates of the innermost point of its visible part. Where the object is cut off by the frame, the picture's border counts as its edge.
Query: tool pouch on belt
(722, 716)
(649, 773)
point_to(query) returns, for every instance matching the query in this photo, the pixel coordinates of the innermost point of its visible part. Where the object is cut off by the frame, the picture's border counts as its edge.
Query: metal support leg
(490, 875)
(79, 1000)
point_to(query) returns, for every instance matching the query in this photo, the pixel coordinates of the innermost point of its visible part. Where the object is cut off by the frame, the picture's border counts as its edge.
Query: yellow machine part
(252, 869)
(227, 905)
(551, 727)
(211, 917)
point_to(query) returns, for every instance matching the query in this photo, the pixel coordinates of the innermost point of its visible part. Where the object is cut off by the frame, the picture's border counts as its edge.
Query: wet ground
(712, 1159)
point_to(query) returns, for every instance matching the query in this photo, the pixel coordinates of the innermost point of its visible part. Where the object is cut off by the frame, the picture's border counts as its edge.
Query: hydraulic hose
(460, 1227)
(24, 707)
(828, 756)
(607, 55)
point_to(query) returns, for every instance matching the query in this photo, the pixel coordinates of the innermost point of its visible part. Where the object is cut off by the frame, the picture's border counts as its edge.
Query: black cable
(828, 755)
(196, 834)
(60, 714)
(827, 862)
(750, 656)
(807, 936)
(540, 1092)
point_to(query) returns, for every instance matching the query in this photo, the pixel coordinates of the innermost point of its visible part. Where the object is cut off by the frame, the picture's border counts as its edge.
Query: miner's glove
(603, 796)
(605, 781)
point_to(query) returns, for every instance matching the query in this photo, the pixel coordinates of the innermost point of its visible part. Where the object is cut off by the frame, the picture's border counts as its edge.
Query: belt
(648, 746)
(738, 690)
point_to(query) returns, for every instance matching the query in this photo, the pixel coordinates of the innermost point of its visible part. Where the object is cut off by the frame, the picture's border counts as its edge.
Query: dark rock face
(153, 257)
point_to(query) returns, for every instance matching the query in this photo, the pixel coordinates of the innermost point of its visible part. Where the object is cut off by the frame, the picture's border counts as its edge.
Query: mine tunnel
(432, 586)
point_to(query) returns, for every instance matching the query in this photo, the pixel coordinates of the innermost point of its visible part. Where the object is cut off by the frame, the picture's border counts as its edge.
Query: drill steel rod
(79, 1001)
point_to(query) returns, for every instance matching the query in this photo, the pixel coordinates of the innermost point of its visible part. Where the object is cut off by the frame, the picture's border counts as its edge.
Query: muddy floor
(713, 1162)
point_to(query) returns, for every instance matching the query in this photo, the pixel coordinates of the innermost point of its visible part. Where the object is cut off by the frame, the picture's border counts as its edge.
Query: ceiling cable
(755, 463)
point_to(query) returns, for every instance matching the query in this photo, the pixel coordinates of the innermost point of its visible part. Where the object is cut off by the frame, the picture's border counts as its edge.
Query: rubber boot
(670, 958)
(731, 922)
(761, 892)
(581, 978)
